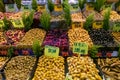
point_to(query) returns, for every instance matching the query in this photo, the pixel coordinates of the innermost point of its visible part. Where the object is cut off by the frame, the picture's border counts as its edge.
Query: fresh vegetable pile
(102, 37)
(116, 36)
(2, 61)
(19, 67)
(32, 35)
(50, 69)
(14, 36)
(3, 40)
(82, 68)
(79, 35)
(110, 67)
(57, 38)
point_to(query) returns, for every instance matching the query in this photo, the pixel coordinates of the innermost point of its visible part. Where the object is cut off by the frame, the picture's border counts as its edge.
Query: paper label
(80, 48)
(41, 8)
(26, 7)
(97, 24)
(77, 24)
(58, 7)
(18, 23)
(10, 7)
(89, 7)
(51, 51)
(1, 24)
(74, 7)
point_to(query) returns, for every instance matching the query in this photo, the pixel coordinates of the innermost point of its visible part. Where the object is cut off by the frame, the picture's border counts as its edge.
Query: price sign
(41, 8)
(1, 24)
(80, 48)
(10, 7)
(74, 7)
(51, 51)
(58, 7)
(17, 23)
(25, 7)
(89, 7)
(77, 24)
(97, 24)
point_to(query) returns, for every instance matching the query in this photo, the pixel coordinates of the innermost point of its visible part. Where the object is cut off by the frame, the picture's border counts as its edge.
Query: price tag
(17, 23)
(58, 7)
(77, 24)
(74, 7)
(97, 24)
(51, 51)
(25, 7)
(41, 8)
(10, 7)
(80, 48)
(1, 24)
(89, 7)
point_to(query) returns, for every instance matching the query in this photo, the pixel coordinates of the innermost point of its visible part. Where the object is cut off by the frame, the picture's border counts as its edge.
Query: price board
(51, 51)
(41, 8)
(18, 23)
(89, 7)
(97, 24)
(80, 48)
(58, 7)
(1, 24)
(77, 25)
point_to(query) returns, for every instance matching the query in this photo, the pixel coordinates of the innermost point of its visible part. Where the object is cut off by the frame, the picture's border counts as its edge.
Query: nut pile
(77, 17)
(110, 67)
(2, 61)
(82, 68)
(2, 39)
(79, 35)
(116, 36)
(32, 35)
(50, 69)
(19, 67)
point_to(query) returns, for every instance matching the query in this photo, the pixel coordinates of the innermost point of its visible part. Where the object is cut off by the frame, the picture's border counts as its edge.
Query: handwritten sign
(89, 7)
(80, 48)
(97, 24)
(18, 23)
(1, 24)
(77, 25)
(41, 8)
(51, 51)
(58, 7)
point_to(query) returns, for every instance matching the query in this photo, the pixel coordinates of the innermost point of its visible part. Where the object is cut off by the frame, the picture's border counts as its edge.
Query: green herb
(89, 22)
(36, 48)
(18, 2)
(28, 20)
(34, 5)
(45, 20)
(106, 19)
(94, 50)
(99, 4)
(2, 6)
(6, 24)
(10, 52)
(81, 3)
(116, 27)
(50, 5)
(67, 15)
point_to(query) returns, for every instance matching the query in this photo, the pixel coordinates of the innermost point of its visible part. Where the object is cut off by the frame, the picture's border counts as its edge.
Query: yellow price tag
(58, 7)
(1, 24)
(80, 48)
(77, 24)
(89, 7)
(97, 24)
(51, 51)
(41, 8)
(18, 23)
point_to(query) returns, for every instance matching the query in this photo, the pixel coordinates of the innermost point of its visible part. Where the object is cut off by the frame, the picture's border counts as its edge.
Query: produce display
(97, 16)
(77, 17)
(3, 40)
(102, 37)
(57, 38)
(50, 69)
(3, 61)
(14, 36)
(19, 67)
(82, 68)
(116, 36)
(1, 16)
(110, 67)
(79, 35)
(32, 35)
